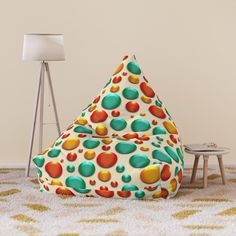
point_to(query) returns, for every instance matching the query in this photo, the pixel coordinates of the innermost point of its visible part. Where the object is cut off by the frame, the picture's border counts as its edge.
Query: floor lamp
(43, 48)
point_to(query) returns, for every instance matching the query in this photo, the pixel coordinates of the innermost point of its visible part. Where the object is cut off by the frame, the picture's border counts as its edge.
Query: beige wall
(187, 49)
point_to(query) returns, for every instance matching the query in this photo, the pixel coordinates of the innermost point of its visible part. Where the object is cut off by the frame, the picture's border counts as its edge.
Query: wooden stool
(219, 153)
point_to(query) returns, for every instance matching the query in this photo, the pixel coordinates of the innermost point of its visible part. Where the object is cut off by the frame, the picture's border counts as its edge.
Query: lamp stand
(40, 100)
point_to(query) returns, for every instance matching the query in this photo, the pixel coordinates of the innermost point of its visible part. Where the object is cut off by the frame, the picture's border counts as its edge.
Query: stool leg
(195, 165)
(222, 170)
(205, 170)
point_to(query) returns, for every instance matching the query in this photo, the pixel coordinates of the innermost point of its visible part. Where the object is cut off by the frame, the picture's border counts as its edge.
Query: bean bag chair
(123, 145)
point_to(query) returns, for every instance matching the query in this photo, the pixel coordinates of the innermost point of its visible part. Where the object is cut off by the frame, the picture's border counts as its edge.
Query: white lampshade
(43, 47)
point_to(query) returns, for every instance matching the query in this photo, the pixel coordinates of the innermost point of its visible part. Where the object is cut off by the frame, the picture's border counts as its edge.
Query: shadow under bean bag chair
(123, 145)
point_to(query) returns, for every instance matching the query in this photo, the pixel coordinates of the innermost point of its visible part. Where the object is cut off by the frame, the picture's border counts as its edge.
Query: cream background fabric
(124, 144)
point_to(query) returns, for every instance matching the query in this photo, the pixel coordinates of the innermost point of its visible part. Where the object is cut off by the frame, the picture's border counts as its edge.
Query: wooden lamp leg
(53, 98)
(27, 171)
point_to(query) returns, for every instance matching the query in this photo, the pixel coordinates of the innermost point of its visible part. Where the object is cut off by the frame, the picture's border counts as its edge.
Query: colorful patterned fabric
(123, 145)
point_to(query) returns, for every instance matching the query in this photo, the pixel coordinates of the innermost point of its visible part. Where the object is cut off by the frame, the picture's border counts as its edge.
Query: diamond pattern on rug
(9, 192)
(37, 207)
(28, 229)
(211, 200)
(23, 218)
(228, 212)
(208, 227)
(98, 220)
(112, 211)
(184, 214)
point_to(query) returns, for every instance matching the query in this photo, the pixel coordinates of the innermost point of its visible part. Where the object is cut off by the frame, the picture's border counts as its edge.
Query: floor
(194, 211)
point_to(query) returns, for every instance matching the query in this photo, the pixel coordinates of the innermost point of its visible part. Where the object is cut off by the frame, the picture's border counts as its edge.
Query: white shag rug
(194, 211)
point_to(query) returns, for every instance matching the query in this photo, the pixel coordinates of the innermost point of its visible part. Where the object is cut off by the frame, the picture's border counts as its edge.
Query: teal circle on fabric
(126, 178)
(39, 161)
(120, 168)
(158, 103)
(70, 168)
(129, 187)
(91, 143)
(167, 112)
(107, 83)
(159, 138)
(54, 152)
(82, 129)
(180, 154)
(58, 142)
(39, 172)
(111, 101)
(172, 153)
(139, 160)
(86, 168)
(156, 144)
(139, 194)
(118, 124)
(176, 170)
(159, 130)
(161, 156)
(75, 182)
(140, 125)
(125, 147)
(134, 68)
(130, 93)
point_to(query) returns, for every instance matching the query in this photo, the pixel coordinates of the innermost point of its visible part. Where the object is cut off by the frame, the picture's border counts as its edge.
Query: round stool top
(209, 151)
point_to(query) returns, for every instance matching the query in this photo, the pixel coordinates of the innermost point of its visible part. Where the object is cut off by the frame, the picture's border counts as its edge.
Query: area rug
(194, 211)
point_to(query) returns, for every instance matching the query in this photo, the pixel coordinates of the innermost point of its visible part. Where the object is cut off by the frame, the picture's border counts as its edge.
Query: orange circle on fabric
(104, 175)
(150, 174)
(71, 143)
